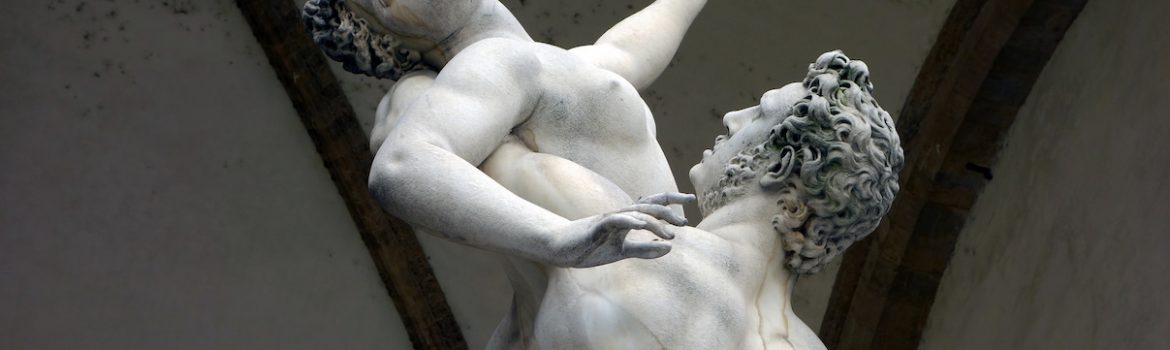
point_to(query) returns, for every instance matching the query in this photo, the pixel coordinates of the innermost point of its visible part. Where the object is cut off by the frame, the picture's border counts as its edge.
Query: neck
(746, 221)
(777, 322)
(747, 224)
(492, 21)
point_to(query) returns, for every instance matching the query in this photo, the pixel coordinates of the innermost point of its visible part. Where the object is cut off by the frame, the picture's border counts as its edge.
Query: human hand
(603, 239)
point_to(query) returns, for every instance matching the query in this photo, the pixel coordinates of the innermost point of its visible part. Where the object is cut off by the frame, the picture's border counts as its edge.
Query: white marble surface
(727, 282)
(581, 147)
(688, 115)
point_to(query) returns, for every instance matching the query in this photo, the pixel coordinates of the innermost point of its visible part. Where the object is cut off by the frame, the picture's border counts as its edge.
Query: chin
(696, 175)
(693, 174)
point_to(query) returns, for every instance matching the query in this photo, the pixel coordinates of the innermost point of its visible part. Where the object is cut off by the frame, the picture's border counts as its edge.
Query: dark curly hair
(345, 37)
(835, 161)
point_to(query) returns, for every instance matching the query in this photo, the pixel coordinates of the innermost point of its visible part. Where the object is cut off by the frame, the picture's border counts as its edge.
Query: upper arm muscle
(476, 101)
(641, 46)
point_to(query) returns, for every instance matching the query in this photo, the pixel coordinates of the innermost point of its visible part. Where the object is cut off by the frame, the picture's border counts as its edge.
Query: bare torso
(626, 305)
(718, 281)
(729, 301)
(596, 119)
(583, 113)
(719, 288)
(589, 116)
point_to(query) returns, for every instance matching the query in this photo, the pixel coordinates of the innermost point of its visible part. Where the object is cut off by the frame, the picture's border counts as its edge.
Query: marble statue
(493, 80)
(548, 156)
(797, 179)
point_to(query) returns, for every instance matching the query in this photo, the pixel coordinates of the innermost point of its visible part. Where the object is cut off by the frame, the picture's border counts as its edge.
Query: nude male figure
(581, 105)
(798, 178)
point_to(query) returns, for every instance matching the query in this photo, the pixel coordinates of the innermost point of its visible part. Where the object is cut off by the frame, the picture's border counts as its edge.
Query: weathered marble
(797, 179)
(537, 152)
(581, 105)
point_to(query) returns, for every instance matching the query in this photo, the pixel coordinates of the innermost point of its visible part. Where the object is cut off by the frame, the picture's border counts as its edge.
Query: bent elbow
(387, 175)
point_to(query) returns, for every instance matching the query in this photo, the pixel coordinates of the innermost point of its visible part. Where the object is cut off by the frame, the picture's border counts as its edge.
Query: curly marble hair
(835, 162)
(345, 37)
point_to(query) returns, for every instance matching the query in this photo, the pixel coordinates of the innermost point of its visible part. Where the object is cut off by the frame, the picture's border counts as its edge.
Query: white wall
(157, 191)
(1067, 246)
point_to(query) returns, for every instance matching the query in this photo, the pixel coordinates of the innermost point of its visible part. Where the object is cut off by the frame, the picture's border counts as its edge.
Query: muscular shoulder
(497, 59)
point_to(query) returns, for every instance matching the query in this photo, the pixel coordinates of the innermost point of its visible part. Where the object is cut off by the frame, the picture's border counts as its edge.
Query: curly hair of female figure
(347, 38)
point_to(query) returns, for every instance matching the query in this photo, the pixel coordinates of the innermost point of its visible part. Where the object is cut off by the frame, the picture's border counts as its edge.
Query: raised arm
(640, 47)
(426, 173)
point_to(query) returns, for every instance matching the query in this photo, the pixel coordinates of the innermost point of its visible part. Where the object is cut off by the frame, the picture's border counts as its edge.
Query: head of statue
(387, 38)
(416, 22)
(823, 151)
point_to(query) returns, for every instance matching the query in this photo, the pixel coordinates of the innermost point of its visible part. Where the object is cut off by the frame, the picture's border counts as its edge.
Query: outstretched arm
(426, 173)
(554, 183)
(569, 189)
(640, 47)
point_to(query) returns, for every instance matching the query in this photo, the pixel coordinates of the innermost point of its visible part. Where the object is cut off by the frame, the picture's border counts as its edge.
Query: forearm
(651, 37)
(554, 183)
(429, 187)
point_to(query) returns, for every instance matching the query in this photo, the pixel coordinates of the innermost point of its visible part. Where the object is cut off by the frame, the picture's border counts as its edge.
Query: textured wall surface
(1066, 248)
(158, 192)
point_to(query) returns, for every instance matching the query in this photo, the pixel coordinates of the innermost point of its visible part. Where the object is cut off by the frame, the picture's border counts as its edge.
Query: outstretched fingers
(612, 232)
(645, 249)
(653, 226)
(658, 211)
(621, 223)
(667, 198)
(657, 206)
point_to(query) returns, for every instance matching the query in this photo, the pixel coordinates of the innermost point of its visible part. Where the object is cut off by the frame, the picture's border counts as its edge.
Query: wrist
(546, 246)
(556, 247)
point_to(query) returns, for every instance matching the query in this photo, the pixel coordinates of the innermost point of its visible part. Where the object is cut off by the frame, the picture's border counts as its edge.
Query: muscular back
(581, 113)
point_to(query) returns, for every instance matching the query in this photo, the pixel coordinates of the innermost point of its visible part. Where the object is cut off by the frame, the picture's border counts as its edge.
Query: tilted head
(825, 151)
(417, 21)
(346, 37)
(388, 38)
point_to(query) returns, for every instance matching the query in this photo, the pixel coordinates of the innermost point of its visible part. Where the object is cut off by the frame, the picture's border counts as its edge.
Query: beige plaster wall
(1067, 246)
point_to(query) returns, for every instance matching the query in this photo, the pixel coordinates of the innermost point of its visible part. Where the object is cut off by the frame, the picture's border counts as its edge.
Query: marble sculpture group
(549, 157)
